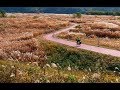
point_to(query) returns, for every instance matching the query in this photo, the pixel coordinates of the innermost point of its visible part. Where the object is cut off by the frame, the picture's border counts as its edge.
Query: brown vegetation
(18, 36)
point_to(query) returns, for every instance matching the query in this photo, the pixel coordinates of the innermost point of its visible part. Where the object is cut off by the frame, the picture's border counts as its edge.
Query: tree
(78, 15)
(2, 13)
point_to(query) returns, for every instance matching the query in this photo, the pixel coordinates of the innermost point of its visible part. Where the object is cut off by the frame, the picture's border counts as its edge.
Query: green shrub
(2, 13)
(71, 79)
(77, 15)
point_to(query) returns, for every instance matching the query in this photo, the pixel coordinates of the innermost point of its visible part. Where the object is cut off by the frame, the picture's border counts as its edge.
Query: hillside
(58, 9)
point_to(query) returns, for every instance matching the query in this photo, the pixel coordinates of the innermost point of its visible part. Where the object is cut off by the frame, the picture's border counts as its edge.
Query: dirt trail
(50, 37)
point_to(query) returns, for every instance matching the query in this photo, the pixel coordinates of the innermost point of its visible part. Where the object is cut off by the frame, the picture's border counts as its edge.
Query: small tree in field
(2, 13)
(77, 15)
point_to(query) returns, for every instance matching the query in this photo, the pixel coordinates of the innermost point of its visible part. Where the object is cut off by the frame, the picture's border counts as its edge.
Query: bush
(2, 13)
(77, 15)
(71, 79)
(114, 67)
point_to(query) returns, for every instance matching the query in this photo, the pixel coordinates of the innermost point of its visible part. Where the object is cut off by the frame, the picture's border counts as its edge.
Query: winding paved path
(51, 37)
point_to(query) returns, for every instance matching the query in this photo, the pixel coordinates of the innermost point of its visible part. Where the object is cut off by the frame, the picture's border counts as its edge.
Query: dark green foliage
(103, 13)
(83, 59)
(71, 79)
(114, 67)
(2, 13)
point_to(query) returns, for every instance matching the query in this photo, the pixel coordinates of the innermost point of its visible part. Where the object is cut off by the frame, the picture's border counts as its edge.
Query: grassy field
(25, 57)
(18, 33)
(83, 59)
(102, 42)
(63, 65)
(93, 29)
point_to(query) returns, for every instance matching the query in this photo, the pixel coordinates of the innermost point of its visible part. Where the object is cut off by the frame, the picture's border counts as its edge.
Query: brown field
(18, 34)
(92, 28)
(20, 40)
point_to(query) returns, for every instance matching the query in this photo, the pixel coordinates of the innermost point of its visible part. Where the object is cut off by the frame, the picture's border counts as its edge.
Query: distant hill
(66, 10)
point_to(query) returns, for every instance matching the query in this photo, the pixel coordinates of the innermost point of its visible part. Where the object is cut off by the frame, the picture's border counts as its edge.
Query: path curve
(106, 51)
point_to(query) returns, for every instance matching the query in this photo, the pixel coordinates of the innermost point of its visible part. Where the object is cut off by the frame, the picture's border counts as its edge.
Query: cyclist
(78, 41)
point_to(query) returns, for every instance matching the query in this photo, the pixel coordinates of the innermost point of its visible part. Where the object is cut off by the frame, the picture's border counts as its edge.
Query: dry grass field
(18, 34)
(25, 57)
(93, 29)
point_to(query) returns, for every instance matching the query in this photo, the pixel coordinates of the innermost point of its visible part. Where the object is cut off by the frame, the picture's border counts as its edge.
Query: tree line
(103, 13)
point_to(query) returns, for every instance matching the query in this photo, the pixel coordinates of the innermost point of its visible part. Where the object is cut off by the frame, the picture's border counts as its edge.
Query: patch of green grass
(82, 59)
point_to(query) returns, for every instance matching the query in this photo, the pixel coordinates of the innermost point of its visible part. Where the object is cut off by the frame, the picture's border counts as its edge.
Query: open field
(103, 31)
(18, 33)
(25, 57)
(64, 65)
